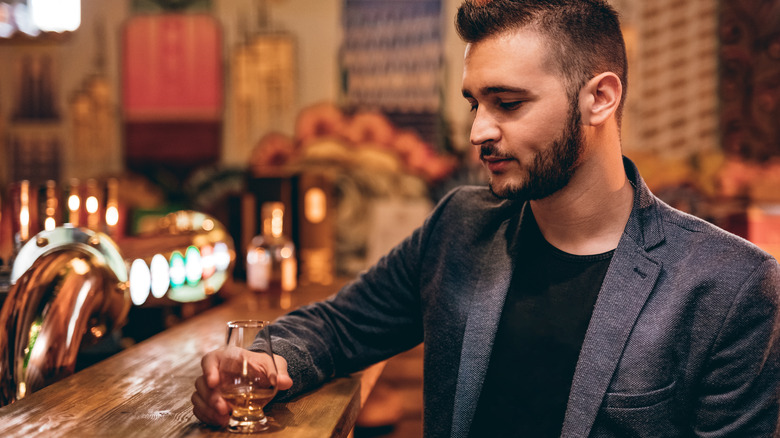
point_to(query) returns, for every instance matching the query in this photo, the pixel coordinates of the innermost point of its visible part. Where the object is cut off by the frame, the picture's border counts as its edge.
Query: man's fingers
(205, 413)
(211, 397)
(210, 366)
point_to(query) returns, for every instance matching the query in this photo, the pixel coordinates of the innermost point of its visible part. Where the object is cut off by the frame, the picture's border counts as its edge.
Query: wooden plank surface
(145, 390)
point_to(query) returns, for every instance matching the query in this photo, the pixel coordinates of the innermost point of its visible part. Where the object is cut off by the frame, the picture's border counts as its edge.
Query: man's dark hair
(583, 36)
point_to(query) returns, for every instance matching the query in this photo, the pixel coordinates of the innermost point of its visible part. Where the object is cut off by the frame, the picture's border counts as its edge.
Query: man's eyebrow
(497, 90)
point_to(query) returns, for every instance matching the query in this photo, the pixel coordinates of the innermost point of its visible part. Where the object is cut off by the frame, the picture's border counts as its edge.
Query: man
(566, 300)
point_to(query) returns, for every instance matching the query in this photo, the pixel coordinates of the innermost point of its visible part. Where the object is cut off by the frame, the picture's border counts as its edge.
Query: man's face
(526, 128)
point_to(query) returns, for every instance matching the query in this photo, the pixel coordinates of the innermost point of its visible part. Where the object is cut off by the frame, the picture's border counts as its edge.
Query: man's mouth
(496, 163)
(492, 158)
(489, 153)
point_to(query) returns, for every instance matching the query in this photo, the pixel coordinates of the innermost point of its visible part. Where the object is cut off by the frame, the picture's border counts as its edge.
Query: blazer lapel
(481, 325)
(629, 281)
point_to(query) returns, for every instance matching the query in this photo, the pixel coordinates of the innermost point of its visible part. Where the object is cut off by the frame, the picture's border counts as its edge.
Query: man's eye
(511, 105)
(473, 107)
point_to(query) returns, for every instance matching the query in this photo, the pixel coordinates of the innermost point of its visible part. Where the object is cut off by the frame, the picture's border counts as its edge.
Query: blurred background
(220, 106)
(180, 100)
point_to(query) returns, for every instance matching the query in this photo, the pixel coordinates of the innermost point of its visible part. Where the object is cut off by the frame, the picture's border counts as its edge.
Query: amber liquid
(246, 400)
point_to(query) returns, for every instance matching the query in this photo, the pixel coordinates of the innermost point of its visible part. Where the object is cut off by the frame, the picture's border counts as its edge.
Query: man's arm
(738, 394)
(373, 318)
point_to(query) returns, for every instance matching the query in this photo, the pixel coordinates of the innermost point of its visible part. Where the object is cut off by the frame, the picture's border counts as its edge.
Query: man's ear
(600, 98)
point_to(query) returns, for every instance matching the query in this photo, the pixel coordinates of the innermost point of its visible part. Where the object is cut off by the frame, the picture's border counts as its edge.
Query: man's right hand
(207, 402)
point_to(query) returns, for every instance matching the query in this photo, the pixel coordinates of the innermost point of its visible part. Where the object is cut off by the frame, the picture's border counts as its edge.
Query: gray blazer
(682, 341)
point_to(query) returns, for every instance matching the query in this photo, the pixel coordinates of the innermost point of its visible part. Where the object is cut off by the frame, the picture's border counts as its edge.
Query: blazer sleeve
(371, 319)
(739, 390)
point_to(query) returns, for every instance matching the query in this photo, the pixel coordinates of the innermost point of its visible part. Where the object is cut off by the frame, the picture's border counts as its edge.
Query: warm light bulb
(24, 222)
(208, 261)
(221, 256)
(56, 15)
(315, 205)
(160, 276)
(74, 202)
(49, 224)
(277, 222)
(24, 217)
(140, 282)
(112, 216)
(92, 205)
(24, 211)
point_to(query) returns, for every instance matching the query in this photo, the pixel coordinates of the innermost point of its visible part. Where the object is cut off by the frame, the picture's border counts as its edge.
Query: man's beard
(552, 169)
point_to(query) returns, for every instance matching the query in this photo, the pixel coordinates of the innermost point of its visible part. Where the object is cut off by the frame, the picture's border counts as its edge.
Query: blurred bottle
(316, 243)
(271, 261)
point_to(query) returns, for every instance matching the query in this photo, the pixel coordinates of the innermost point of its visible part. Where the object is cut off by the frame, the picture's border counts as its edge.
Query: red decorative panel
(172, 92)
(172, 68)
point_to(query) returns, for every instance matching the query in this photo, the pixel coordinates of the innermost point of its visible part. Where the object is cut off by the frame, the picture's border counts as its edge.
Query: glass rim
(256, 323)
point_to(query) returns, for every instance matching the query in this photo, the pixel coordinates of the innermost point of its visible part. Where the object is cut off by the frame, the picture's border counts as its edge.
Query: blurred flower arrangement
(715, 174)
(366, 139)
(718, 187)
(365, 158)
(759, 182)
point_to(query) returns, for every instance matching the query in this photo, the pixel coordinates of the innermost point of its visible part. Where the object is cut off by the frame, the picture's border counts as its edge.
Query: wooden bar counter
(144, 391)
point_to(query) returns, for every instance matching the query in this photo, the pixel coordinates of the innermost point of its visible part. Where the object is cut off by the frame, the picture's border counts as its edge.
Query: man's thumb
(283, 381)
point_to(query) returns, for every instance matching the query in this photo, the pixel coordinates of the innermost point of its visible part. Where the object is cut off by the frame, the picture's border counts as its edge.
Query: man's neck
(589, 215)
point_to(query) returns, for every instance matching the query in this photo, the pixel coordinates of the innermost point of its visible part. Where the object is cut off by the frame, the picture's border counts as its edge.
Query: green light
(178, 271)
(193, 266)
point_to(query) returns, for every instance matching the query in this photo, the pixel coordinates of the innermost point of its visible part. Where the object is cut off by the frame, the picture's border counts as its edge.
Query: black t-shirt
(539, 337)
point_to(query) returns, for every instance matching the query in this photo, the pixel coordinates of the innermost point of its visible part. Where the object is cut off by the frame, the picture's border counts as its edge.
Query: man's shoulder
(476, 204)
(692, 234)
(474, 192)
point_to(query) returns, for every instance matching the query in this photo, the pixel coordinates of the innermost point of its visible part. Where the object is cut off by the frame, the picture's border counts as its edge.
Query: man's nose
(484, 128)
